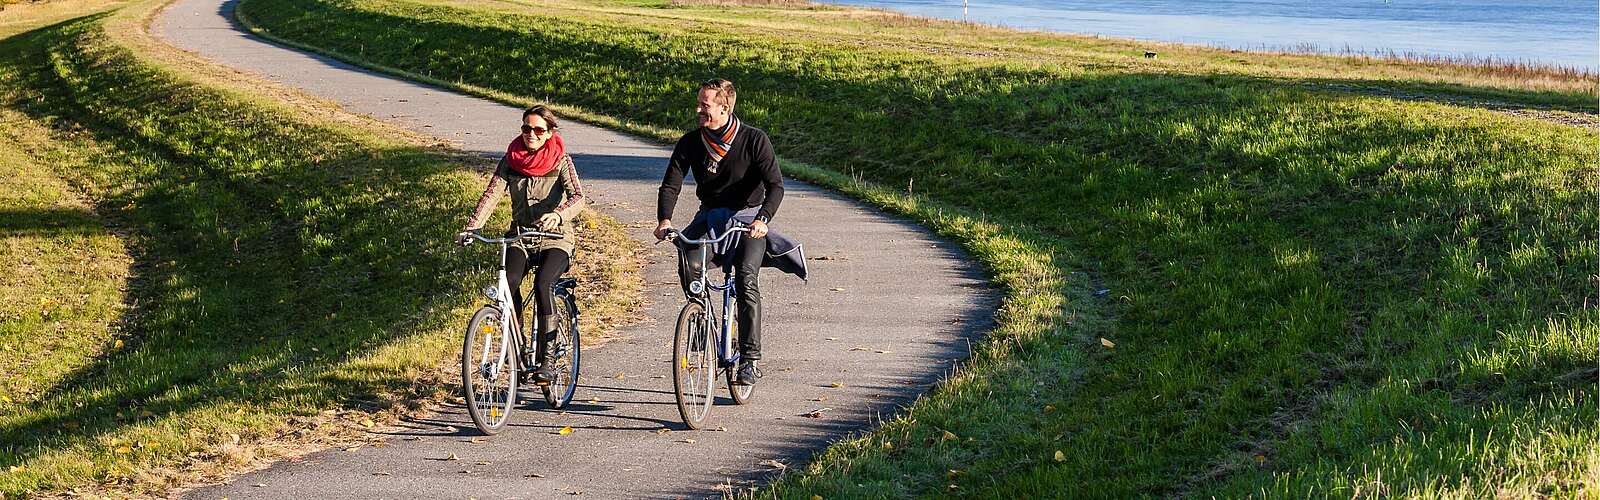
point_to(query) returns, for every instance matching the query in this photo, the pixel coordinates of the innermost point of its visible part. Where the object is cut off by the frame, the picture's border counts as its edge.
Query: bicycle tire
(568, 350)
(741, 394)
(694, 366)
(486, 353)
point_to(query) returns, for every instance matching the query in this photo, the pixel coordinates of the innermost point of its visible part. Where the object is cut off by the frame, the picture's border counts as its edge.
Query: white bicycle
(495, 350)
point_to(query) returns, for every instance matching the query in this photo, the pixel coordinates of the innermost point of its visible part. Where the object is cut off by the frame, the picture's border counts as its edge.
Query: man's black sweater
(747, 176)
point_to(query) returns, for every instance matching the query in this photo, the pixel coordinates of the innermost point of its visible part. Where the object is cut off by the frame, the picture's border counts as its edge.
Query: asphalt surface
(888, 310)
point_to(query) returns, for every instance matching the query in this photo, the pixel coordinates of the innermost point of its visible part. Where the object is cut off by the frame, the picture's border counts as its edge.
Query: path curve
(900, 304)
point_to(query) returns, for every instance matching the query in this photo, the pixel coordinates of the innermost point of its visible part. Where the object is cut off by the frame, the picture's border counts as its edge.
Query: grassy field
(1227, 273)
(201, 277)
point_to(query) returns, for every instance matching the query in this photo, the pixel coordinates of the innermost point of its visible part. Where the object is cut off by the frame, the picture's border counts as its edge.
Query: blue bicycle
(703, 346)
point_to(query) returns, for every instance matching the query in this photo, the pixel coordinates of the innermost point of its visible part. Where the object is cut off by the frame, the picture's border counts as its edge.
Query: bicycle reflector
(492, 292)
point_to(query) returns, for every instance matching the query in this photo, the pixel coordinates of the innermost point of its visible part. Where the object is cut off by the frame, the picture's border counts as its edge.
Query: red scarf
(537, 162)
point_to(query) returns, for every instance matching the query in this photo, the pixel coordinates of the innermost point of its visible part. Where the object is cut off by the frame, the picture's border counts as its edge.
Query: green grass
(270, 279)
(1309, 292)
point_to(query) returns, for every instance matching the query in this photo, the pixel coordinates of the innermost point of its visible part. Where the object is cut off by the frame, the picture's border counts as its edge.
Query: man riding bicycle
(736, 175)
(545, 195)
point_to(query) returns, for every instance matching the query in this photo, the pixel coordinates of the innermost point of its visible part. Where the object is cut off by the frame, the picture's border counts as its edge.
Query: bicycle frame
(726, 353)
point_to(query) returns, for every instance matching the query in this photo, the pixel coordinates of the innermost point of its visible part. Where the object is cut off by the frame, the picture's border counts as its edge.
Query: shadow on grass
(49, 222)
(270, 253)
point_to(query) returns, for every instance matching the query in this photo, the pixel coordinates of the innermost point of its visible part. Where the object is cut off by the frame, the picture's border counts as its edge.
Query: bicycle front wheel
(489, 370)
(694, 365)
(565, 354)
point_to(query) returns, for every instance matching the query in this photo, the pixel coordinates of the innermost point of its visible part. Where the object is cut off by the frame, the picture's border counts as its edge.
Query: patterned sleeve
(575, 201)
(489, 199)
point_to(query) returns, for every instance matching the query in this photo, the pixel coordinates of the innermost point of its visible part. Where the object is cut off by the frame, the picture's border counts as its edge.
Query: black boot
(546, 371)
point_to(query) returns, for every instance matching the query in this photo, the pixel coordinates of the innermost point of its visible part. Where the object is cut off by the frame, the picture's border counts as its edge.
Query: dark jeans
(551, 263)
(746, 267)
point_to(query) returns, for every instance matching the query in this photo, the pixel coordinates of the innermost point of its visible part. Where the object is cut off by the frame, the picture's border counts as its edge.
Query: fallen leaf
(836, 385)
(621, 376)
(452, 456)
(948, 436)
(565, 430)
(260, 485)
(353, 448)
(1049, 408)
(475, 440)
(858, 348)
(833, 338)
(366, 422)
(381, 474)
(118, 344)
(71, 425)
(816, 497)
(1261, 458)
(1107, 343)
(837, 289)
(820, 398)
(15, 469)
(690, 441)
(1061, 457)
(123, 450)
(722, 429)
(480, 463)
(952, 474)
(146, 414)
(663, 430)
(883, 352)
(773, 464)
(817, 413)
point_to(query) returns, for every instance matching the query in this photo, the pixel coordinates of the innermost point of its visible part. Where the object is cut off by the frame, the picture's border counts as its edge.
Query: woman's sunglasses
(538, 130)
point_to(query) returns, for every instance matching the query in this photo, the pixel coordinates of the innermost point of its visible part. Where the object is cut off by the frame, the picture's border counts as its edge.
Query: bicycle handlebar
(542, 234)
(674, 234)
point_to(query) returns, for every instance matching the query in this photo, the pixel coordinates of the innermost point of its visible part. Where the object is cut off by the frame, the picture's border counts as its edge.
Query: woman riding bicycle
(545, 195)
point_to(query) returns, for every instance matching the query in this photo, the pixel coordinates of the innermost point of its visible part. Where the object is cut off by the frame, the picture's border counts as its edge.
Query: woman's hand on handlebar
(549, 222)
(464, 238)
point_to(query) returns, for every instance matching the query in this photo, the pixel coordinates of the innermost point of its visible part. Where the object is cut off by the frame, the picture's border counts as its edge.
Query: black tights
(551, 263)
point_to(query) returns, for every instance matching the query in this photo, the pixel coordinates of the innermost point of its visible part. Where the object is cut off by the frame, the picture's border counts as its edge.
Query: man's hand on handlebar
(663, 229)
(549, 222)
(464, 238)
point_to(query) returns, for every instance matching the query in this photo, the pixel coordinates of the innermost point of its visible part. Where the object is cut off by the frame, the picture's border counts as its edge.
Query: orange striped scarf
(717, 147)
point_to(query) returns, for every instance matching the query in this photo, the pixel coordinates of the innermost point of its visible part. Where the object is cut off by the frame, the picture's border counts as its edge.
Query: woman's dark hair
(543, 112)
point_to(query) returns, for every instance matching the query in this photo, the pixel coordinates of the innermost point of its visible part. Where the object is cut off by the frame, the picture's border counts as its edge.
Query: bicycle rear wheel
(566, 351)
(694, 365)
(489, 370)
(741, 394)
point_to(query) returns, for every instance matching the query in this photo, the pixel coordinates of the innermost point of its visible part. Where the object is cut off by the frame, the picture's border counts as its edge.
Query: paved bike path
(886, 312)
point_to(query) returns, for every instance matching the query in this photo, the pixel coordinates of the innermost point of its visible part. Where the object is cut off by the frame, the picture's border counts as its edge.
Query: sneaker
(747, 374)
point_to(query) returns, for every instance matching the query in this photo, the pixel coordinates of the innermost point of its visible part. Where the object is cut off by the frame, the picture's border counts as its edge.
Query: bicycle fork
(508, 326)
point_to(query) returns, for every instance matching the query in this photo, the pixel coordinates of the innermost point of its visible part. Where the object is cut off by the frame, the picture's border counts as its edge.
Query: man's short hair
(726, 95)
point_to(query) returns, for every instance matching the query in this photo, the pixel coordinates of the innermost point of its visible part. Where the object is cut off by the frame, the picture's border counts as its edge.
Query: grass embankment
(1308, 292)
(274, 278)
